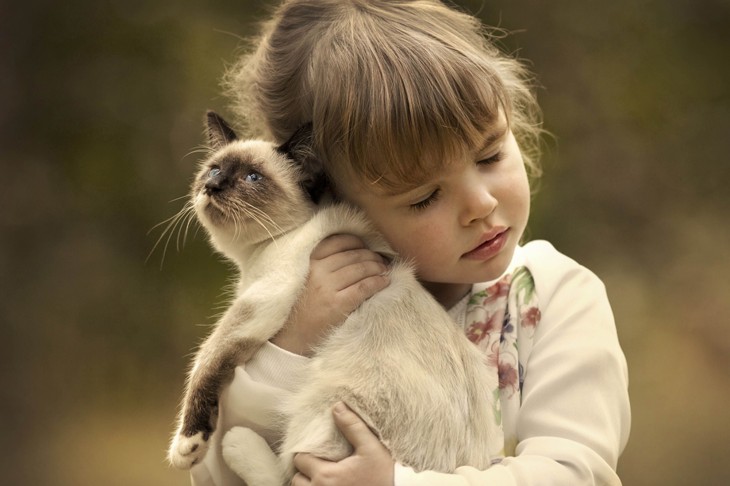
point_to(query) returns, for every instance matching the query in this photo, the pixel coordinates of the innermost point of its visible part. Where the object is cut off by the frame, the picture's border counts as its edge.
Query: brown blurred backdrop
(101, 104)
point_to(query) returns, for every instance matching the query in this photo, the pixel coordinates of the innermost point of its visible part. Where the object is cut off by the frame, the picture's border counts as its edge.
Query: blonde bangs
(398, 104)
(395, 89)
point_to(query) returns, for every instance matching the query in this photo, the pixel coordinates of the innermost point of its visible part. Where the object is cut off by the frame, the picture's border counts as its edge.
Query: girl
(427, 127)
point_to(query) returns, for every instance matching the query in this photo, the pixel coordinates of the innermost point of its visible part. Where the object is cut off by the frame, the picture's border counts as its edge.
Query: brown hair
(394, 89)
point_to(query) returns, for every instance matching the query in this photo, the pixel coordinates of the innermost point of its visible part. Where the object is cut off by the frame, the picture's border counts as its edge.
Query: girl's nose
(477, 203)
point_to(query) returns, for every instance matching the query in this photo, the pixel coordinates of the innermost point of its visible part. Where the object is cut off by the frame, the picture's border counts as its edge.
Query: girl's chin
(491, 275)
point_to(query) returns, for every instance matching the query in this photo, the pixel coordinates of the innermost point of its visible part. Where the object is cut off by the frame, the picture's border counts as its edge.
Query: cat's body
(398, 360)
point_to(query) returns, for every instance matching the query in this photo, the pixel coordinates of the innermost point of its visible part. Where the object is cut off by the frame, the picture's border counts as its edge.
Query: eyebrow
(396, 191)
(494, 137)
(400, 191)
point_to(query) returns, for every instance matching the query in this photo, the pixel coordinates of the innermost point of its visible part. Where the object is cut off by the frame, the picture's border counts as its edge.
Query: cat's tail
(250, 457)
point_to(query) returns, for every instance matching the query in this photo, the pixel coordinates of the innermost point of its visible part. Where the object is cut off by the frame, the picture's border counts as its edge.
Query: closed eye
(424, 203)
(492, 160)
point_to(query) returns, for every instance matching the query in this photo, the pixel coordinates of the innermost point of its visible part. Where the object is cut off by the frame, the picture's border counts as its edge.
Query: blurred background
(101, 106)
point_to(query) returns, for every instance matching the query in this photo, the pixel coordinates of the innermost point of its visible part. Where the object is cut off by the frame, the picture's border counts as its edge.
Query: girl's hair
(394, 89)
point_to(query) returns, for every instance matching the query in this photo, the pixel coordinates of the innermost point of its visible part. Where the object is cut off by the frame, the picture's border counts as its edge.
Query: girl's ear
(218, 130)
(299, 149)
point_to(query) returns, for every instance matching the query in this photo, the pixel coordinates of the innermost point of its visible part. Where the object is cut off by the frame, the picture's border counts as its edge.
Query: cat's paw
(238, 442)
(251, 458)
(185, 452)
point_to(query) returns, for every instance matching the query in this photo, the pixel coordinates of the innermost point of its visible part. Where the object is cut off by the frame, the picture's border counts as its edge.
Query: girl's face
(460, 227)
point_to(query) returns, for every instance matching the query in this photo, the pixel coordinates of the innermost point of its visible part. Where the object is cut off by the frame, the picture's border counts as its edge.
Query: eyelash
(421, 205)
(493, 159)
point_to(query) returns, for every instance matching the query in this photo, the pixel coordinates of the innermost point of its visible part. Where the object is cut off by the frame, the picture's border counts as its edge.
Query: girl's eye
(493, 159)
(214, 172)
(254, 177)
(424, 203)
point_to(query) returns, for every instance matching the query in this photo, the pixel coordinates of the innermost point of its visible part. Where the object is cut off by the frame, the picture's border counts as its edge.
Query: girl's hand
(369, 465)
(342, 275)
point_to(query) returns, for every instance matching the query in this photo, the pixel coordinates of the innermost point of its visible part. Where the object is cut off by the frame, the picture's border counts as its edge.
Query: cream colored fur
(398, 360)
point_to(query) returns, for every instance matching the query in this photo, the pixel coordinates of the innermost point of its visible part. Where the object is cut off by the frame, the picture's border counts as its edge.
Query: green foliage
(102, 111)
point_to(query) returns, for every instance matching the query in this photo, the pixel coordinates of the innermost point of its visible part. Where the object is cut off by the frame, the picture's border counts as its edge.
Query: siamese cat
(398, 361)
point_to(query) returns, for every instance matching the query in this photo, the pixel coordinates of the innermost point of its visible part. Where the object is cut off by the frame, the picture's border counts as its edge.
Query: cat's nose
(215, 183)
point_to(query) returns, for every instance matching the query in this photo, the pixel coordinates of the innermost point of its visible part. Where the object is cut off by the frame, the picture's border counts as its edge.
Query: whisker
(265, 217)
(273, 224)
(171, 222)
(178, 198)
(236, 229)
(253, 209)
(180, 223)
(200, 149)
(191, 219)
(165, 221)
(183, 228)
(169, 236)
(257, 215)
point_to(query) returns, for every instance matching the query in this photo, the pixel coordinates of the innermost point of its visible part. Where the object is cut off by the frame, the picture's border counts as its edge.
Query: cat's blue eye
(254, 177)
(214, 172)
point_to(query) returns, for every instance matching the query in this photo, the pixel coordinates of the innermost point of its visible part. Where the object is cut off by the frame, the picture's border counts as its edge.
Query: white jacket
(574, 418)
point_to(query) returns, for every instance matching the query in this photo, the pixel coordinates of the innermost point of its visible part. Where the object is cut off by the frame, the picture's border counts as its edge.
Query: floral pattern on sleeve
(501, 321)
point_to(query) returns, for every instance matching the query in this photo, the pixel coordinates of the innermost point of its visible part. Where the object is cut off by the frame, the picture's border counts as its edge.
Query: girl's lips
(492, 243)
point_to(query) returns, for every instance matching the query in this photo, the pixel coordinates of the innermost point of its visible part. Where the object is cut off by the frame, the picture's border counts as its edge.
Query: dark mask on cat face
(298, 148)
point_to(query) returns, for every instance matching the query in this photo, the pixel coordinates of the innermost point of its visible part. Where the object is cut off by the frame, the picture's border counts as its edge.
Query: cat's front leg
(213, 368)
(197, 418)
(251, 458)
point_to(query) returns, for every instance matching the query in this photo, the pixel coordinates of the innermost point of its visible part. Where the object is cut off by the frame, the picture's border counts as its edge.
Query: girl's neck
(447, 294)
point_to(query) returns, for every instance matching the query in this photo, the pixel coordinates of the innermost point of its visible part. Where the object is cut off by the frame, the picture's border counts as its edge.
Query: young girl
(428, 128)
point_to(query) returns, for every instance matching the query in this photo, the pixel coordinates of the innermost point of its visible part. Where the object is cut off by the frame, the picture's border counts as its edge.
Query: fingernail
(340, 407)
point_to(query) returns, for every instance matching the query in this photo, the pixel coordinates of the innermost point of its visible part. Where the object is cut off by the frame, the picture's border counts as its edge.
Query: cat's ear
(218, 130)
(299, 149)
(299, 145)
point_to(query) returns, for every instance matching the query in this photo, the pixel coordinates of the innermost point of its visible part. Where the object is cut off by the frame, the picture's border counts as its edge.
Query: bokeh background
(101, 104)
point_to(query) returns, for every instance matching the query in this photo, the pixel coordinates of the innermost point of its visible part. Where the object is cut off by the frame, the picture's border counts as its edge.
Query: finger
(352, 426)
(359, 292)
(307, 464)
(300, 479)
(353, 273)
(343, 258)
(335, 244)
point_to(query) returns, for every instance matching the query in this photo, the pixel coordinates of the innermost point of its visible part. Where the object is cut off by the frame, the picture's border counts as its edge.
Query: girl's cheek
(412, 243)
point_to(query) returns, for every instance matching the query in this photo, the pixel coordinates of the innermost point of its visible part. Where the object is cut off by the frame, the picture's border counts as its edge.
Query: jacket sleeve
(250, 401)
(574, 419)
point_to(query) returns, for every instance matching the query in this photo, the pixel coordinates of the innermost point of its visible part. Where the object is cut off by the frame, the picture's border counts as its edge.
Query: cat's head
(247, 191)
